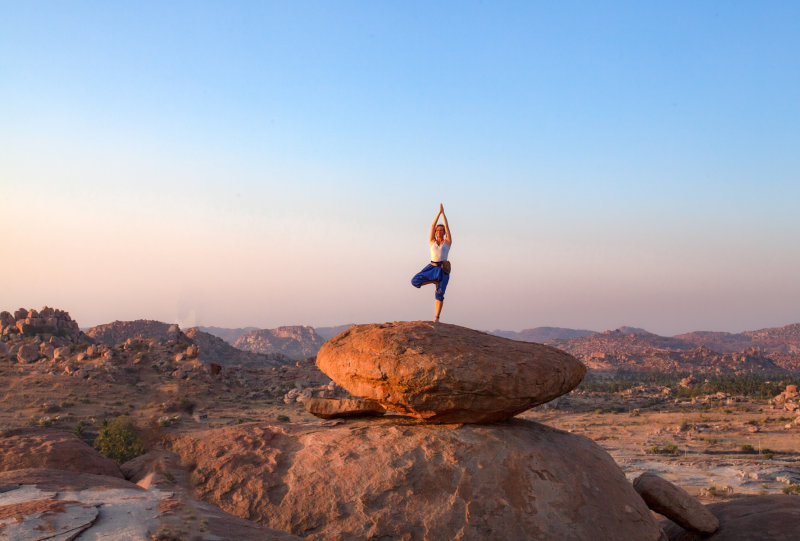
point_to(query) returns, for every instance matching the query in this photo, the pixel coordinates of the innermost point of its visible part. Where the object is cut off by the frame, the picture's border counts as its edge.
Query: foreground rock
(445, 373)
(334, 408)
(395, 478)
(755, 518)
(675, 503)
(61, 504)
(22, 448)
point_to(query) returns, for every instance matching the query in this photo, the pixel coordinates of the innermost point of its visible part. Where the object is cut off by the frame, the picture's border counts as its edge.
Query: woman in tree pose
(438, 272)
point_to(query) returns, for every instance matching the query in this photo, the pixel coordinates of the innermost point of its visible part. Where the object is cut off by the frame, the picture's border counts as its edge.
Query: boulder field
(399, 478)
(445, 373)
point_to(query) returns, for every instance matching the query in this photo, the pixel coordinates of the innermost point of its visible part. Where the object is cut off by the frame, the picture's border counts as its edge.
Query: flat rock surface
(397, 478)
(675, 503)
(445, 373)
(58, 505)
(51, 448)
(333, 408)
(773, 517)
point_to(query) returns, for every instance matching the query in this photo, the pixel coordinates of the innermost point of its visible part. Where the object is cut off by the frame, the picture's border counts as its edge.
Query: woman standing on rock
(438, 271)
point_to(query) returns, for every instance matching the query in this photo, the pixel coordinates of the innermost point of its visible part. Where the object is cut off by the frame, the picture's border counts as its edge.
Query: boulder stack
(46, 321)
(444, 373)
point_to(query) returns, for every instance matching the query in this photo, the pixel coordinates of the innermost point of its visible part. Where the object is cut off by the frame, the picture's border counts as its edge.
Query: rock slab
(398, 478)
(335, 408)
(445, 373)
(51, 448)
(675, 503)
(774, 517)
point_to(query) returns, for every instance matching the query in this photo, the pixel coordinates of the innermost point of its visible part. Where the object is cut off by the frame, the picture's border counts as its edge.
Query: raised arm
(433, 225)
(448, 238)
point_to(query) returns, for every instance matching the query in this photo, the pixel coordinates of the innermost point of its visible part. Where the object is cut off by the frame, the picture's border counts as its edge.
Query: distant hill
(211, 349)
(229, 335)
(118, 332)
(329, 332)
(214, 349)
(772, 340)
(296, 342)
(542, 334)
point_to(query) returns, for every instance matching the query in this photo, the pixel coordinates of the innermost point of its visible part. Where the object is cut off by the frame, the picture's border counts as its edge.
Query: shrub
(119, 440)
(747, 449)
(79, 429)
(283, 418)
(792, 489)
(668, 449)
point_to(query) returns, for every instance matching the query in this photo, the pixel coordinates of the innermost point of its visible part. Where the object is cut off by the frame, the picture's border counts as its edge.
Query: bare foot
(436, 320)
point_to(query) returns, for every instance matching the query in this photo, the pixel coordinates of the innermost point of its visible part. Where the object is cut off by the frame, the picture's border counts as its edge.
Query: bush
(792, 489)
(668, 449)
(119, 440)
(747, 449)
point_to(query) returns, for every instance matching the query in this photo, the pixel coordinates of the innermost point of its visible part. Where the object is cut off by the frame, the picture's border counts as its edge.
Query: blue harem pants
(429, 275)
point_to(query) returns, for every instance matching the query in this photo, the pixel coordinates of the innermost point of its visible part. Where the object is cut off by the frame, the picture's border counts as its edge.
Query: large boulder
(675, 503)
(22, 448)
(774, 517)
(445, 373)
(397, 478)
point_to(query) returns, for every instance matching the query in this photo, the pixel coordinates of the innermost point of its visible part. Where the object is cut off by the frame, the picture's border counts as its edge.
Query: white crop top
(439, 251)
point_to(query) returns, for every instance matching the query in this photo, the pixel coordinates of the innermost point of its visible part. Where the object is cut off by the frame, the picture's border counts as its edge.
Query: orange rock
(396, 478)
(675, 503)
(51, 448)
(445, 373)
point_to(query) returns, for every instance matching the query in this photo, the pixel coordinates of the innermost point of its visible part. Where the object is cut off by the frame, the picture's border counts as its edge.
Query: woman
(438, 271)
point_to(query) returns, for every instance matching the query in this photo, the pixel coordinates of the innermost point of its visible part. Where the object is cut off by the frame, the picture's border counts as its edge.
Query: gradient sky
(276, 163)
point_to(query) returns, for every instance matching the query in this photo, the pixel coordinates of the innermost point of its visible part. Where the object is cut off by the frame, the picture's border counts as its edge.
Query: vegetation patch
(119, 440)
(668, 449)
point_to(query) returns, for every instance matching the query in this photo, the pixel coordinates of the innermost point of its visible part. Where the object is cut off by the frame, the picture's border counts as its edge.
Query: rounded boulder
(444, 373)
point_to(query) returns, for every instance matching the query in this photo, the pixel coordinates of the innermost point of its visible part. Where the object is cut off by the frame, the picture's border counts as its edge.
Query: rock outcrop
(675, 503)
(47, 321)
(396, 478)
(67, 496)
(445, 373)
(22, 448)
(118, 332)
(774, 517)
(214, 349)
(296, 342)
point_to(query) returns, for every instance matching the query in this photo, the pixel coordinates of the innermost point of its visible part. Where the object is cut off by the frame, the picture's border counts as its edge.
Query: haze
(278, 163)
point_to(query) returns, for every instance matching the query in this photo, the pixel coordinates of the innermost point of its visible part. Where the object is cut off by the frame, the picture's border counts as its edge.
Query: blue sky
(261, 163)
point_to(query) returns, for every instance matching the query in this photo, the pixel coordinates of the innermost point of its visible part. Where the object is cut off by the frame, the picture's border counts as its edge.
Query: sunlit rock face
(445, 373)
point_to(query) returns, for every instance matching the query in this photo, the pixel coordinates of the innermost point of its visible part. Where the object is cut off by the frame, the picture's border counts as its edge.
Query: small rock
(675, 503)
(27, 353)
(331, 408)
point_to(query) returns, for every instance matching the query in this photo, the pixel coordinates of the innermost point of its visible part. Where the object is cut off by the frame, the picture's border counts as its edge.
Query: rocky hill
(296, 342)
(633, 349)
(329, 332)
(118, 332)
(216, 350)
(772, 340)
(229, 335)
(211, 349)
(542, 334)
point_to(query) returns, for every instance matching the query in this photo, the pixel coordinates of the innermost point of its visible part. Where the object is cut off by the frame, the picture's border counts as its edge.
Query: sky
(280, 163)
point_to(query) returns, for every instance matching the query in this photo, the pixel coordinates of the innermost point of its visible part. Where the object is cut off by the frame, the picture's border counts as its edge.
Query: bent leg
(425, 276)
